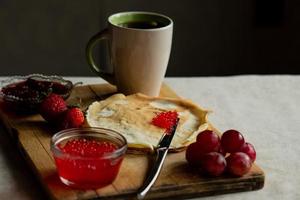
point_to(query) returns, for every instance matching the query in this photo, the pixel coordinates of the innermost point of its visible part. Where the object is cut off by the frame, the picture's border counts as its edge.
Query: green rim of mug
(125, 17)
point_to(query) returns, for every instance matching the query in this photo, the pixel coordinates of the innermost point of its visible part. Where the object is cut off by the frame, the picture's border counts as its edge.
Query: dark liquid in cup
(142, 24)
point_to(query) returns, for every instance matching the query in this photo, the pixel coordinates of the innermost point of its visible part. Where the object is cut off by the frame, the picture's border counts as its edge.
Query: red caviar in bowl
(86, 161)
(87, 148)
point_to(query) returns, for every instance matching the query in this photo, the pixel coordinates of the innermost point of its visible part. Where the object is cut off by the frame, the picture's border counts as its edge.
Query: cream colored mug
(140, 46)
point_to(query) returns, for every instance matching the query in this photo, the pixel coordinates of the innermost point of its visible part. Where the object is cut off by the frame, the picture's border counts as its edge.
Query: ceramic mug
(139, 46)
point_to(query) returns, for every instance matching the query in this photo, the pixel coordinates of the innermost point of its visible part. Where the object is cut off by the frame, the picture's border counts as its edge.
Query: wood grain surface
(176, 180)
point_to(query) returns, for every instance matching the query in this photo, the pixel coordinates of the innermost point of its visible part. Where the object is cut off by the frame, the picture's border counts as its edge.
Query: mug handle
(103, 35)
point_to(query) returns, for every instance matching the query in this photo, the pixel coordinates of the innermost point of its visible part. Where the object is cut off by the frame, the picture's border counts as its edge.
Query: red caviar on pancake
(165, 120)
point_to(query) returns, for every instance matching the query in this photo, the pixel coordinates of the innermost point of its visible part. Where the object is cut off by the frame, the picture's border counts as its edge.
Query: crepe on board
(132, 115)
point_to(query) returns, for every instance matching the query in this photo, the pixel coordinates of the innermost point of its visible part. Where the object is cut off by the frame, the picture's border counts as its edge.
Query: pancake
(132, 115)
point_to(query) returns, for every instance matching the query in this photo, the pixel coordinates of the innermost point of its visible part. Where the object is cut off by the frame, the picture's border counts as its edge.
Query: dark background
(211, 37)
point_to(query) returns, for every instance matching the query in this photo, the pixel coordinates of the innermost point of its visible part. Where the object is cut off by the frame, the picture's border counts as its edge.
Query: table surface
(266, 109)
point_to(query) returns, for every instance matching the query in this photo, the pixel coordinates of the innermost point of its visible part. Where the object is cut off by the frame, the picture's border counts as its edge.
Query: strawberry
(73, 118)
(52, 107)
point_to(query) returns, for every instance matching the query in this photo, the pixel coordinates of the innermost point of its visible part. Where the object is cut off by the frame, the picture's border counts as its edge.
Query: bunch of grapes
(215, 155)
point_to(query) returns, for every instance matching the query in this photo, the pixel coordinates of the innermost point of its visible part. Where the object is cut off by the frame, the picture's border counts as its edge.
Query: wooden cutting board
(176, 180)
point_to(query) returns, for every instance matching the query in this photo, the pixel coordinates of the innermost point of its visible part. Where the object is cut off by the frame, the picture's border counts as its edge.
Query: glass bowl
(25, 93)
(88, 158)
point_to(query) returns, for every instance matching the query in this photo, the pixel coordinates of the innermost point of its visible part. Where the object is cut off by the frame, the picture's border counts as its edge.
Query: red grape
(213, 163)
(238, 163)
(208, 141)
(193, 155)
(232, 141)
(248, 149)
